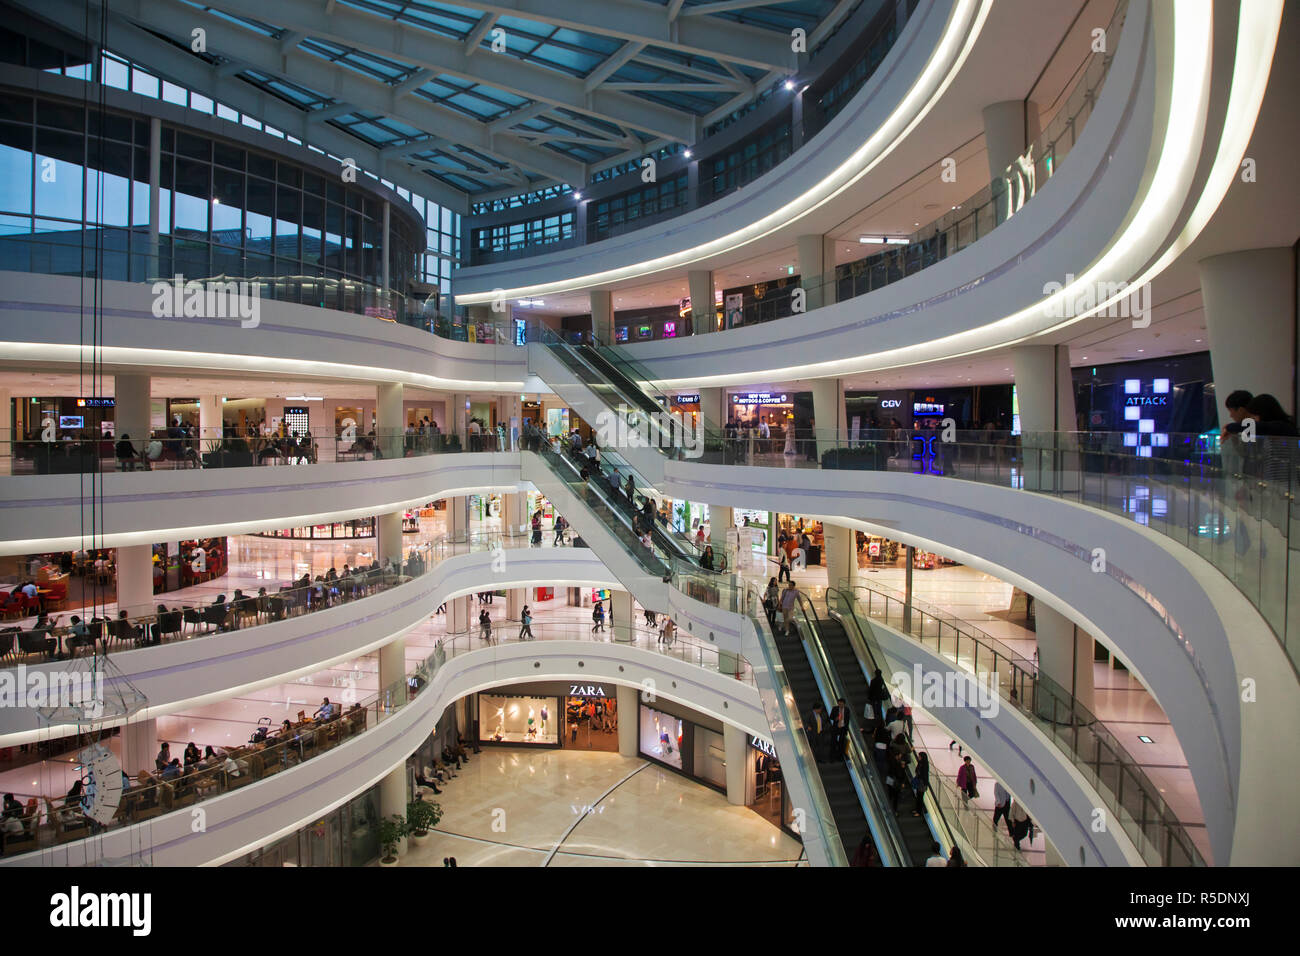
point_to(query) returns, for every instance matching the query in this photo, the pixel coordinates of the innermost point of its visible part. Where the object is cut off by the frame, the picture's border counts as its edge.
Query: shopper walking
(561, 525)
(788, 597)
(783, 566)
(966, 780)
(878, 693)
(1018, 823)
(840, 726)
(1001, 804)
(598, 618)
(921, 782)
(485, 626)
(526, 625)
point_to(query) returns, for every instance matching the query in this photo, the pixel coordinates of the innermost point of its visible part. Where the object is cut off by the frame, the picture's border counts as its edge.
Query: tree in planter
(391, 831)
(422, 816)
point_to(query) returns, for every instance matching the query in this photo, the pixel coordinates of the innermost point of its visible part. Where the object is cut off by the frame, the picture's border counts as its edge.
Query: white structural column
(512, 512)
(510, 414)
(621, 611)
(516, 598)
(1064, 656)
(828, 413)
(817, 270)
(602, 315)
(1009, 128)
(390, 419)
(135, 578)
(392, 796)
(392, 672)
(1045, 395)
(458, 418)
(736, 747)
(138, 745)
(840, 555)
(388, 527)
(458, 517)
(131, 416)
(1249, 301)
(704, 310)
(6, 432)
(628, 717)
(210, 422)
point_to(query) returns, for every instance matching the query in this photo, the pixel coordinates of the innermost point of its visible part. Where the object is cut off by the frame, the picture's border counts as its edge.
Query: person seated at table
(421, 780)
(173, 770)
(126, 630)
(154, 451)
(213, 754)
(164, 756)
(78, 635)
(30, 590)
(74, 792)
(326, 711)
(12, 807)
(286, 729)
(192, 755)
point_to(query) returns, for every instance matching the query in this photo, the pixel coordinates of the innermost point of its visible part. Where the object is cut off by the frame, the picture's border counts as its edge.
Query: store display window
(512, 719)
(661, 737)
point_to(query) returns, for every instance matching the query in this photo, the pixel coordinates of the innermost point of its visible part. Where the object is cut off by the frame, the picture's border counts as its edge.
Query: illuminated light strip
(224, 362)
(967, 21)
(1257, 33)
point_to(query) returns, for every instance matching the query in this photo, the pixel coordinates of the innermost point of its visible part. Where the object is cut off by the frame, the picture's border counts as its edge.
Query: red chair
(12, 605)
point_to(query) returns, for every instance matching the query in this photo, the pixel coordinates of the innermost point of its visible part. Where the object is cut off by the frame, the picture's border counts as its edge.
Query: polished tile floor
(523, 807)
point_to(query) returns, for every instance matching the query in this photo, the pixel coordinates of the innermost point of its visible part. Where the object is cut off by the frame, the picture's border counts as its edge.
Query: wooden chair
(66, 830)
(15, 843)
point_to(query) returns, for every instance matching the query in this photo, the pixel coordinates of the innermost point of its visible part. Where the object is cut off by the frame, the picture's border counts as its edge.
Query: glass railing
(107, 632)
(672, 644)
(63, 451)
(1130, 796)
(102, 253)
(1233, 505)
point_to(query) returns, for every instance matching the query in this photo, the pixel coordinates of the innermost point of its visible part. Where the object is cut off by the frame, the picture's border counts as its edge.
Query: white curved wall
(41, 322)
(47, 512)
(244, 819)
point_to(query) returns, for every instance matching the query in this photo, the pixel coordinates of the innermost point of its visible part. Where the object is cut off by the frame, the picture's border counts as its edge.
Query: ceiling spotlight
(789, 84)
(577, 195)
(687, 154)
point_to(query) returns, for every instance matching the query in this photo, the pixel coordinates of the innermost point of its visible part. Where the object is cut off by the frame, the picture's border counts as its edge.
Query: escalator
(853, 679)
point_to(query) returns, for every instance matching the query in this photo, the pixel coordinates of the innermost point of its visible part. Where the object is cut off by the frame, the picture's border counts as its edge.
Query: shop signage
(689, 399)
(891, 402)
(766, 746)
(760, 398)
(1147, 400)
(587, 690)
(96, 402)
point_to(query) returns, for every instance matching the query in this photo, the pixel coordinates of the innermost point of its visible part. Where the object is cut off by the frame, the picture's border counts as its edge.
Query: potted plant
(391, 831)
(421, 817)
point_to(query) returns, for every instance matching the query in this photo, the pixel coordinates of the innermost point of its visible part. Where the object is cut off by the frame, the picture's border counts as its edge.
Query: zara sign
(587, 690)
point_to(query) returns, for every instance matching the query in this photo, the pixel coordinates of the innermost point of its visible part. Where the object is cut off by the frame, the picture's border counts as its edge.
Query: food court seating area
(48, 821)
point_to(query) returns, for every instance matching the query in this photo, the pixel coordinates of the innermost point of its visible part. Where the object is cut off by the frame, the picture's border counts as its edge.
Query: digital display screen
(72, 421)
(927, 408)
(670, 330)
(644, 332)
(620, 334)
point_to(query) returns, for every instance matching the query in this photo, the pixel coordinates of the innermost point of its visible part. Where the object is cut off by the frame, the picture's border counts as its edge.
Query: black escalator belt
(835, 639)
(836, 780)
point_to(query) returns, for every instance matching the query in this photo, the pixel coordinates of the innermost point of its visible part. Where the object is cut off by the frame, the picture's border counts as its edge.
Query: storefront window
(518, 719)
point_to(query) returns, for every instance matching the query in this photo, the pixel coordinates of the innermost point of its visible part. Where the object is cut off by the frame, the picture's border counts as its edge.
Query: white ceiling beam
(412, 82)
(670, 87)
(382, 36)
(475, 38)
(704, 9)
(647, 23)
(330, 79)
(522, 115)
(674, 7)
(612, 64)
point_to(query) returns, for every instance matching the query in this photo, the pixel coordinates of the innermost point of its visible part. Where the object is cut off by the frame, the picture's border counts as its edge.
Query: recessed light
(1145, 739)
(687, 154)
(789, 84)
